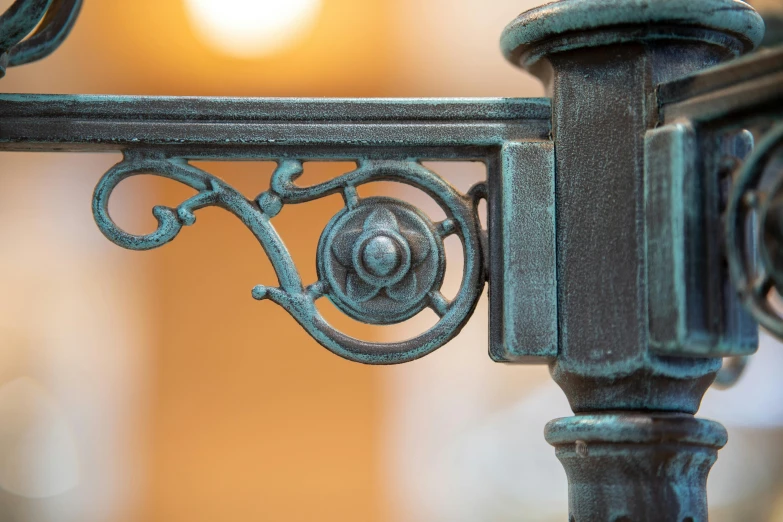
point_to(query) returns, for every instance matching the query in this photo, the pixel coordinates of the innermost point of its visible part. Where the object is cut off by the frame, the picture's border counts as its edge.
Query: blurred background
(150, 386)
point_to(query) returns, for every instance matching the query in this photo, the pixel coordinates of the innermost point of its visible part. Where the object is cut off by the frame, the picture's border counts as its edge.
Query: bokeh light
(252, 28)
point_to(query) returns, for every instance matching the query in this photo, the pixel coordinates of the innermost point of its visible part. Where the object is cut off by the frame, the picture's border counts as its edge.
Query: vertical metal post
(634, 452)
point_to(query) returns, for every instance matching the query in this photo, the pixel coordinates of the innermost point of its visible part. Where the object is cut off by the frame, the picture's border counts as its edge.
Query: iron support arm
(388, 139)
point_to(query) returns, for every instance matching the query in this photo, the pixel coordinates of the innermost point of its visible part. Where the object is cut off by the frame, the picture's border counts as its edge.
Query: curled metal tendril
(52, 21)
(730, 372)
(754, 231)
(379, 260)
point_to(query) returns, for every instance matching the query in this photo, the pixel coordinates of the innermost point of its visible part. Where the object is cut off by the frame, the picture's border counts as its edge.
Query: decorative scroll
(730, 372)
(52, 21)
(754, 231)
(380, 260)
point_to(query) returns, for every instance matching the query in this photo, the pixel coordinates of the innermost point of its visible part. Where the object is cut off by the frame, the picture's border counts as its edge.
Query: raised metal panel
(691, 310)
(523, 279)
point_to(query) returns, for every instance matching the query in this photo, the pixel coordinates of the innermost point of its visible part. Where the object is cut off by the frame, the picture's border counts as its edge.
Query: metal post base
(620, 465)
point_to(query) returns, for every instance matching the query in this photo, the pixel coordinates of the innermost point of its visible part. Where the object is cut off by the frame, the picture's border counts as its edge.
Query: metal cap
(591, 23)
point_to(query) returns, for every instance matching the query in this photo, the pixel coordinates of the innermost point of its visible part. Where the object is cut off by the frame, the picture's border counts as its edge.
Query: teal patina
(404, 280)
(752, 197)
(383, 260)
(616, 21)
(52, 21)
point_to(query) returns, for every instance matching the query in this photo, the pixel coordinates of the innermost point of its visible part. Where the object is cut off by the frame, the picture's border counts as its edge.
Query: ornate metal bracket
(380, 260)
(632, 261)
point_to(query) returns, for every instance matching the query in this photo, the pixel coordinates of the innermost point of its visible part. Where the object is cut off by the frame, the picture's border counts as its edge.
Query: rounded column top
(601, 22)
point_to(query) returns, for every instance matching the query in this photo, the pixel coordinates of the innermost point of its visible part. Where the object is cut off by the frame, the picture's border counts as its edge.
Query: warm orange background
(248, 418)
(245, 417)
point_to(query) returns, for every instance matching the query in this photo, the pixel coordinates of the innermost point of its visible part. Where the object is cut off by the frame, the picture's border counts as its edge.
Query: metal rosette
(754, 233)
(382, 259)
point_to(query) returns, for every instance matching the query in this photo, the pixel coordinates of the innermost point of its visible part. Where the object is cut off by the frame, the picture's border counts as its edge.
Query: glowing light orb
(252, 28)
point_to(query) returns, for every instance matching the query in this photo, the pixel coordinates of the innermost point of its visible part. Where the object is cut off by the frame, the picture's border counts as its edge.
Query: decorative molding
(380, 260)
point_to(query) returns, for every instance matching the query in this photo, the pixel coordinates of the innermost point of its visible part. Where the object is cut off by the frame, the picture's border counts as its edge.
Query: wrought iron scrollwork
(730, 372)
(380, 260)
(754, 231)
(52, 21)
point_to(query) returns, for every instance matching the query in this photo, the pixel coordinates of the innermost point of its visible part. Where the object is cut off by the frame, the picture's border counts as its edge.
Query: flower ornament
(381, 259)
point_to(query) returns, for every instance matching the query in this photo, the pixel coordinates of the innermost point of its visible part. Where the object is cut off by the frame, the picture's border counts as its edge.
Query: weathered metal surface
(50, 33)
(732, 106)
(383, 260)
(689, 313)
(270, 128)
(617, 300)
(730, 372)
(382, 134)
(603, 358)
(636, 467)
(741, 90)
(523, 280)
(379, 260)
(757, 196)
(573, 24)
(52, 21)
(19, 20)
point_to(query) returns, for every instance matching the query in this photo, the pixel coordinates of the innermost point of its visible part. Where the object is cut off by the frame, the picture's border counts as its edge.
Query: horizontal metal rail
(255, 127)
